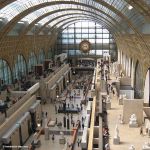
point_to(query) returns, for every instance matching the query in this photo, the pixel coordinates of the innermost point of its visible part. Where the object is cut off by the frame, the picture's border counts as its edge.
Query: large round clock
(85, 46)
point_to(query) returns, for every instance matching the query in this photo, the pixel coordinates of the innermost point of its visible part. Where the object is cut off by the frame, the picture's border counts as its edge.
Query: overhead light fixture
(130, 7)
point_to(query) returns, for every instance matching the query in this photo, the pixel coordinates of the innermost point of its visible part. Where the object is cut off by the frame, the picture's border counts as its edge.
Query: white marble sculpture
(116, 139)
(108, 99)
(62, 135)
(147, 125)
(133, 121)
(124, 96)
(116, 131)
(108, 102)
(107, 147)
(121, 98)
(62, 139)
(132, 147)
(120, 121)
(146, 146)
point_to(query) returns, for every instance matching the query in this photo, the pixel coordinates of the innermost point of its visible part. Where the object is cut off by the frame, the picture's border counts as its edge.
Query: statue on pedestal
(116, 139)
(62, 139)
(116, 132)
(133, 121)
(120, 121)
(146, 145)
(108, 99)
(62, 135)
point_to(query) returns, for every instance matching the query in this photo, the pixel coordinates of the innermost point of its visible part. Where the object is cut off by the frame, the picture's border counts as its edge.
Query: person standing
(53, 137)
(78, 142)
(141, 131)
(55, 108)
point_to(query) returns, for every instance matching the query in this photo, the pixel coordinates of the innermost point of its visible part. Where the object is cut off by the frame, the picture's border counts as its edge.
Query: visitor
(46, 114)
(113, 91)
(55, 109)
(56, 121)
(78, 142)
(53, 138)
(141, 131)
(82, 125)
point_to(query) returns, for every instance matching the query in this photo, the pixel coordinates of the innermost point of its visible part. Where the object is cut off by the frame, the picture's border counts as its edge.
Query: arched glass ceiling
(65, 13)
(62, 18)
(84, 14)
(123, 7)
(32, 16)
(57, 23)
(13, 9)
(69, 20)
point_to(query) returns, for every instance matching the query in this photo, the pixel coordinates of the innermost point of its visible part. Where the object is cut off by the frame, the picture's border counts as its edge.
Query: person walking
(141, 131)
(53, 137)
(78, 142)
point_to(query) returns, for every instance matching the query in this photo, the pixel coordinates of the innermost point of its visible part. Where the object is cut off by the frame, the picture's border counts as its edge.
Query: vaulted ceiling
(119, 16)
(127, 20)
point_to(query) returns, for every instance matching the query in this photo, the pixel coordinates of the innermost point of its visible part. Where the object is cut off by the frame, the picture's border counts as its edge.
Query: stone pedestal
(146, 146)
(120, 101)
(133, 125)
(62, 141)
(108, 105)
(116, 140)
(46, 133)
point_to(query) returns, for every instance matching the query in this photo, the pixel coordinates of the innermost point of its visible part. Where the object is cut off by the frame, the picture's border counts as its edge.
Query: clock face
(85, 46)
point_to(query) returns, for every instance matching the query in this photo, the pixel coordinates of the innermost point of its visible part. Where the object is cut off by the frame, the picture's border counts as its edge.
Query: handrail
(91, 131)
(75, 131)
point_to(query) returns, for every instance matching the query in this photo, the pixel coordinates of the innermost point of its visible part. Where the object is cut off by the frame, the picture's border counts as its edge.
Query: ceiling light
(130, 7)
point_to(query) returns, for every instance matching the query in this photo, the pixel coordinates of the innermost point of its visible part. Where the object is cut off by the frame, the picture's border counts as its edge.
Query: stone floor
(52, 115)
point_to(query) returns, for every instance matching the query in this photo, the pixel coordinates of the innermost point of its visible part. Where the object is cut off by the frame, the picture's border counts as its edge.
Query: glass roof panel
(80, 24)
(32, 16)
(132, 14)
(52, 16)
(66, 17)
(13, 9)
(18, 6)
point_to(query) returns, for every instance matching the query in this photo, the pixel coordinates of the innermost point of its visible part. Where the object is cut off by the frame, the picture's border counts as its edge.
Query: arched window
(100, 38)
(5, 73)
(20, 69)
(50, 54)
(32, 61)
(41, 57)
(138, 82)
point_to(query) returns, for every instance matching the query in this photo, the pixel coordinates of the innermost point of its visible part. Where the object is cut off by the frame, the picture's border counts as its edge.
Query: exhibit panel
(12, 136)
(15, 139)
(24, 127)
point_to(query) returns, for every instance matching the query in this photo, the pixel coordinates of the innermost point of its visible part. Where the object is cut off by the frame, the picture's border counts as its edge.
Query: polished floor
(52, 115)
